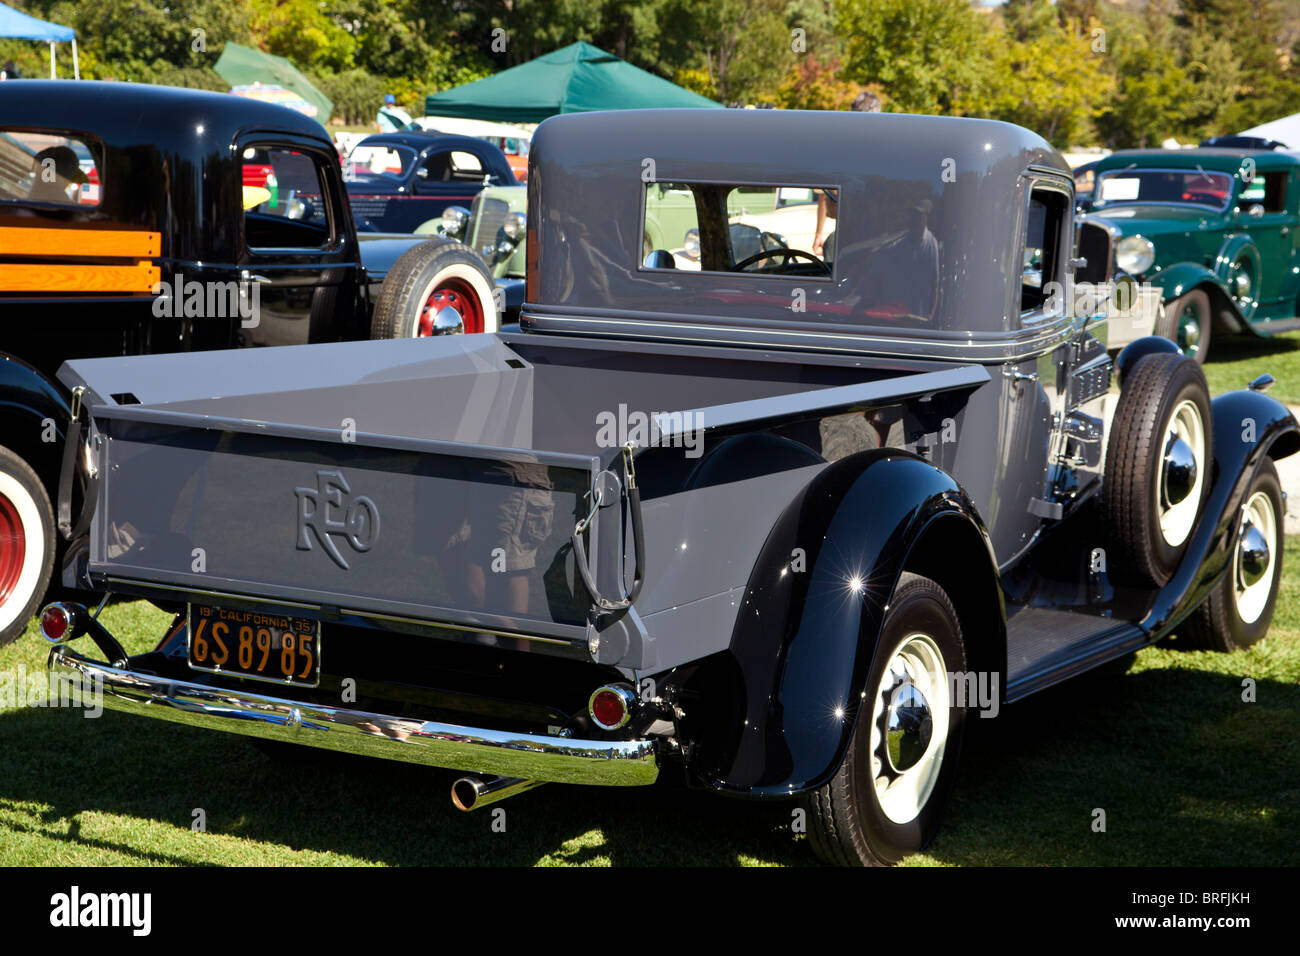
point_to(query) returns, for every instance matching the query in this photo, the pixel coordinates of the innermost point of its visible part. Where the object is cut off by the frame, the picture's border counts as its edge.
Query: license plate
(269, 647)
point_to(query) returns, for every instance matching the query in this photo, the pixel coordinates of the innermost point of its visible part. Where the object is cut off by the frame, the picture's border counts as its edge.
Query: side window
(466, 167)
(48, 168)
(284, 201)
(1266, 190)
(1042, 243)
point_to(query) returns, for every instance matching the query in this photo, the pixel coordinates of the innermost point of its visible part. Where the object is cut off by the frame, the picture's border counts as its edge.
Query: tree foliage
(1078, 71)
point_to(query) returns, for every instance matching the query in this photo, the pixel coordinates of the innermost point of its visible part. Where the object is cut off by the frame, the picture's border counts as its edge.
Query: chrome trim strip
(968, 348)
(615, 763)
(228, 595)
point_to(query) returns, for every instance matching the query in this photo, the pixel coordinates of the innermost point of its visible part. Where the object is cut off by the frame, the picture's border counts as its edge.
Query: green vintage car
(1214, 230)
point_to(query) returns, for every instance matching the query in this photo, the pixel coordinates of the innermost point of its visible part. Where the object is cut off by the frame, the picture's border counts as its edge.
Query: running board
(1046, 646)
(1276, 326)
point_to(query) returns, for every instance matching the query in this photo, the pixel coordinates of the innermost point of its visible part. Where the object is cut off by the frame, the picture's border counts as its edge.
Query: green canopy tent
(242, 66)
(574, 79)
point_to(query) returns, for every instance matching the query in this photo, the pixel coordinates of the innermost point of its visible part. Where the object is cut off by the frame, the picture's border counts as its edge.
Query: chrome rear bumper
(530, 756)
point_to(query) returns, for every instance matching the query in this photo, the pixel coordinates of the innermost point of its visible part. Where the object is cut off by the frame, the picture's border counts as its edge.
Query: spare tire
(428, 279)
(1157, 467)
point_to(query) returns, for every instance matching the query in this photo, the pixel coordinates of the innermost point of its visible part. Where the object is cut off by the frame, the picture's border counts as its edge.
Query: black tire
(1218, 624)
(848, 823)
(425, 270)
(1144, 552)
(1196, 303)
(27, 544)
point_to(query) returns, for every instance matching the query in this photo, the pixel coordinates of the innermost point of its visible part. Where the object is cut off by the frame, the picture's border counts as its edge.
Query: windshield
(379, 161)
(1194, 187)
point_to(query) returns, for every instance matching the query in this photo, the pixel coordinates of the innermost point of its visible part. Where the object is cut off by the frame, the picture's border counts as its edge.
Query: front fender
(804, 640)
(1185, 276)
(1248, 427)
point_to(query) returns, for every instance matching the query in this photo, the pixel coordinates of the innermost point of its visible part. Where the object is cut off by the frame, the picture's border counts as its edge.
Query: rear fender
(34, 415)
(807, 629)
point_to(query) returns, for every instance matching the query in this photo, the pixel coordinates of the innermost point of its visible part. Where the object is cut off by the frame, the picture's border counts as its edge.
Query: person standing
(392, 117)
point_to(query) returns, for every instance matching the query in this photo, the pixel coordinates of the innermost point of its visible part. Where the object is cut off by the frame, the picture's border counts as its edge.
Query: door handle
(246, 276)
(1286, 230)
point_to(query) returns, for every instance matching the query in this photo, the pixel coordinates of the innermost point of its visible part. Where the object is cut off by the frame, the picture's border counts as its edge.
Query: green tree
(930, 56)
(1054, 83)
(303, 31)
(1029, 19)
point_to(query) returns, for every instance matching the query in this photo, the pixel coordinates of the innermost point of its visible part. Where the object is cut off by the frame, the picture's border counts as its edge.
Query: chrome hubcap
(1182, 473)
(909, 727)
(1253, 562)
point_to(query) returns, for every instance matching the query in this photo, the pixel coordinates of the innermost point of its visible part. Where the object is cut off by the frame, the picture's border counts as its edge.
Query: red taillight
(611, 707)
(56, 620)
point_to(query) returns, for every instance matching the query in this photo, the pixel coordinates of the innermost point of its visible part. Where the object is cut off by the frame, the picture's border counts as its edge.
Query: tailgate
(337, 519)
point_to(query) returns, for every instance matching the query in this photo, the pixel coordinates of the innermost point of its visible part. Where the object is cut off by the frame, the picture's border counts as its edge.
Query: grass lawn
(1186, 772)
(1235, 360)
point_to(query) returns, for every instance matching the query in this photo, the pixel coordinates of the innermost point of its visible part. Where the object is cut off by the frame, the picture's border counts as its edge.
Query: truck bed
(413, 479)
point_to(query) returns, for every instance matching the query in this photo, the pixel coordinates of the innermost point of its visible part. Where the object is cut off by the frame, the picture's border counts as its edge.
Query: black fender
(1248, 427)
(804, 639)
(28, 401)
(1140, 349)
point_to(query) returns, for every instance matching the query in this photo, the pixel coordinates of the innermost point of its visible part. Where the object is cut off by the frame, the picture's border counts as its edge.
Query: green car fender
(1181, 278)
(1239, 258)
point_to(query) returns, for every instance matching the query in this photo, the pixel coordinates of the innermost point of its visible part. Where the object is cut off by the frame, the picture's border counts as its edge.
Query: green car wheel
(1186, 323)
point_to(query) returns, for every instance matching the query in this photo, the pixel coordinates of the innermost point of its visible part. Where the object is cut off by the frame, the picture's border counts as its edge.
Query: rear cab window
(762, 230)
(49, 167)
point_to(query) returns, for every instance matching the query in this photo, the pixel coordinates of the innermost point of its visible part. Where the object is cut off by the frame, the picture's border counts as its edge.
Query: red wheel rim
(13, 548)
(453, 293)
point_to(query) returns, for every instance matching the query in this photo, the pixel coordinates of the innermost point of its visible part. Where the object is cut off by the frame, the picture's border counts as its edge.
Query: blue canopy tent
(20, 26)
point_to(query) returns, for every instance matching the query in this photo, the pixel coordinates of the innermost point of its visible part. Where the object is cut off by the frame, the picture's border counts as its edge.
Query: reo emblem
(328, 510)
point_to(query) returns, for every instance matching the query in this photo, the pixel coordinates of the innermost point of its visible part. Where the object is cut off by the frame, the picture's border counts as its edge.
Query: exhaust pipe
(470, 793)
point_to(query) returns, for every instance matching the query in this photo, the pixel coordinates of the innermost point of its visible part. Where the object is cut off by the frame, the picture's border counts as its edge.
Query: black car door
(298, 263)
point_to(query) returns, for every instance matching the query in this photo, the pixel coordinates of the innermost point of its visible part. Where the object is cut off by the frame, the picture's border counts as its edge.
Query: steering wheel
(784, 251)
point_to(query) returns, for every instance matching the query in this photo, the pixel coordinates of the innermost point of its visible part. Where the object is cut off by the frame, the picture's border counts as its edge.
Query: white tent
(1285, 130)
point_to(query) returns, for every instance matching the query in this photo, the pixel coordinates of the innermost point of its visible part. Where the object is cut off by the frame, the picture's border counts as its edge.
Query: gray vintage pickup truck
(778, 524)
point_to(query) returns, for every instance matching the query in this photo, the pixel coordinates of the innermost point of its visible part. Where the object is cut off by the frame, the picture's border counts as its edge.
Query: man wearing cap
(56, 172)
(392, 117)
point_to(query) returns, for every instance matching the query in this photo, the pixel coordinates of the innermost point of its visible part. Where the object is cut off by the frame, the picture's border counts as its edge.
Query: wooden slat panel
(71, 277)
(74, 243)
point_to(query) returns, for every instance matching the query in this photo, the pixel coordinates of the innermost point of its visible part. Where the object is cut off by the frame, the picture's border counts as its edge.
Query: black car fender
(812, 612)
(1248, 427)
(34, 416)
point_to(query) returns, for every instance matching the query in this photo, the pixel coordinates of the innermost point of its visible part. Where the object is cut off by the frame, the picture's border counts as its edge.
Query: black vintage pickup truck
(142, 219)
(779, 522)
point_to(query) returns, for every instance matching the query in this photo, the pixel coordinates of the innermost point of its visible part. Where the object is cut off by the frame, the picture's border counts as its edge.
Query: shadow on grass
(1186, 772)
(1234, 348)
